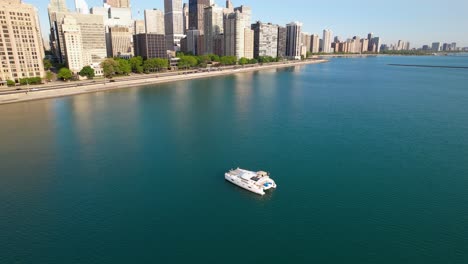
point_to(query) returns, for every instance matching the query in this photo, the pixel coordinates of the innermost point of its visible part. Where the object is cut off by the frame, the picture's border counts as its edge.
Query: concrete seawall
(37, 95)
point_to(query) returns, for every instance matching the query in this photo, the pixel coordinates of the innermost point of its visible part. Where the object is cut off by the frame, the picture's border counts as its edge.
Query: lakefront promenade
(38, 92)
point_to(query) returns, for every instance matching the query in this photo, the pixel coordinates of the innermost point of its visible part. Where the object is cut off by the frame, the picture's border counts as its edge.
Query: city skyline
(411, 24)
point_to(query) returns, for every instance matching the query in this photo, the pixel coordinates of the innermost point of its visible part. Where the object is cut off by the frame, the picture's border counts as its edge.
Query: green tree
(187, 62)
(125, 67)
(87, 72)
(253, 61)
(137, 64)
(110, 67)
(161, 63)
(49, 76)
(243, 61)
(215, 58)
(204, 59)
(65, 74)
(11, 83)
(228, 60)
(155, 64)
(47, 64)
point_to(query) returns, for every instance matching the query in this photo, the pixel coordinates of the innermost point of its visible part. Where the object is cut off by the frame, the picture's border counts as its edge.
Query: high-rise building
(306, 42)
(192, 41)
(81, 7)
(265, 39)
(234, 35)
(73, 45)
(154, 22)
(57, 6)
(114, 17)
(246, 12)
(21, 48)
(150, 45)
(364, 45)
(213, 27)
(139, 27)
(118, 17)
(229, 7)
(315, 43)
(282, 37)
(445, 47)
(370, 45)
(174, 23)
(219, 45)
(327, 37)
(436, 46)
(453, 46)
(196, 14)
(235, 41)
(54, 7)
(185, 10)
(118, 3)
(293, 40)
(121, 42)
(248, 43)
(93, 35)
(376, 44)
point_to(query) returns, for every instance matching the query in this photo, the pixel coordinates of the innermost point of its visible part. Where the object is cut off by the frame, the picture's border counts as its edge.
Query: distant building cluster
(86, 36)
(437, 46)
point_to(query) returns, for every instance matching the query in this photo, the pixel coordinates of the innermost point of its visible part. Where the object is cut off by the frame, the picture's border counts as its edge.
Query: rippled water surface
(371, 162)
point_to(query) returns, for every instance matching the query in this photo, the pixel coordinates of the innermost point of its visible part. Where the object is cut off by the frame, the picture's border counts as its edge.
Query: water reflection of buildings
(243, 94)
(86, 122)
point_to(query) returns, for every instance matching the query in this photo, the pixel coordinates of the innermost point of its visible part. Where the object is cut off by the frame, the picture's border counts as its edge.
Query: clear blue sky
(418, 21)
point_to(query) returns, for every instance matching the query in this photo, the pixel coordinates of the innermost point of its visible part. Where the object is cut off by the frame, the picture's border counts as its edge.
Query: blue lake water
(371, 163)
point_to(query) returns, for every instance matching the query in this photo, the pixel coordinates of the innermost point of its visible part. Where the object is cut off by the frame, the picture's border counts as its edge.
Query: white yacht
(257, 182)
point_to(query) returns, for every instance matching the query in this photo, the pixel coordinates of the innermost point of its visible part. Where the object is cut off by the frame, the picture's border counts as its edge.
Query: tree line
(122, 67)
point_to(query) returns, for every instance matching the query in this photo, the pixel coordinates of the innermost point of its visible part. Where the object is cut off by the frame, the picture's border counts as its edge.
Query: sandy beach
(99, 87)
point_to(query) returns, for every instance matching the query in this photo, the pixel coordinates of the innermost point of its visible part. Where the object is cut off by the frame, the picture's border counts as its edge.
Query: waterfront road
(74, 84)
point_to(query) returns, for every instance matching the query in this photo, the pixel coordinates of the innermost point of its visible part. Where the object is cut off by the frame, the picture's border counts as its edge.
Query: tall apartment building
(81, 7)
(246, 12)
(306, 43)
(118, 3)
(282, 38)
(234, 35)
(54, 7)
(315, 43)
(154, 21)
(93, 35)
(213, 27)
(293, 40)
(238, 37)
(21, 48)
(174, 23)
(248, 43)
(139, 27)
(364, 45)
(76, 56)
(185, 11)
(121, 42)
(436, 46)
(327, 37)
(370, 46)
(265, 39)
(150, 45)
(374, 43)
(197, 13)
(192, 41)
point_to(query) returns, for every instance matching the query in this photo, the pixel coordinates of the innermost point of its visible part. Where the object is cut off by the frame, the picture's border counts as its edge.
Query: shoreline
(101, 87)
